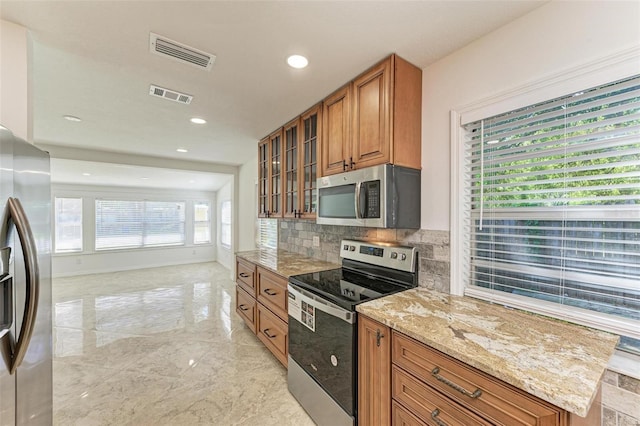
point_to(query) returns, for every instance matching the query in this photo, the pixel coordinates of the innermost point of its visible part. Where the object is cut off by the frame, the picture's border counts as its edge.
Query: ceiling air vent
(180, 52)
(172, 95)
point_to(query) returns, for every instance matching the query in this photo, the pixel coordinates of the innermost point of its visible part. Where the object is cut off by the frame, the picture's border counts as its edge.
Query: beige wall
(247, 204)
(555, 37)
(15, 111)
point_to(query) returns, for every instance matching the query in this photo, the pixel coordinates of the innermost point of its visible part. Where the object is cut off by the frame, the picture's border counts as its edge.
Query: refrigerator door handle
(14, 352)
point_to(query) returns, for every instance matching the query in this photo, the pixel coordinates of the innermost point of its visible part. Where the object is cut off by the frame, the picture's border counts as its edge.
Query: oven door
(322, 341)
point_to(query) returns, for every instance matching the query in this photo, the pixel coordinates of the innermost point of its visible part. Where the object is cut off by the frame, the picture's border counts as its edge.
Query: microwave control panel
(372, 198)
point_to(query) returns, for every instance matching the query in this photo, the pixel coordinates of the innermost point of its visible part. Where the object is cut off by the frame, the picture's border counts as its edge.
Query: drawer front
(272, 292)
(481, 393)
(246, 308)
(245, 276)
(273, 332)
(401, 417)
(428, 404)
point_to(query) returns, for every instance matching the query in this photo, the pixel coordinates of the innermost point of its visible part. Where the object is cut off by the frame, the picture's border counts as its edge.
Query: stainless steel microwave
(384, 196)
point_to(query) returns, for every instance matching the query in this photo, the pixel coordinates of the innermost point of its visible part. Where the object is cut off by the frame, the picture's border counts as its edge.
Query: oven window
(338, 202)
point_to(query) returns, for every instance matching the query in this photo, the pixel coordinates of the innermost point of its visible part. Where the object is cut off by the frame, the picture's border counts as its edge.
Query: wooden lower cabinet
(274, 333)
(422, 386)
(261, 301)
(246, 307)
(374, 372)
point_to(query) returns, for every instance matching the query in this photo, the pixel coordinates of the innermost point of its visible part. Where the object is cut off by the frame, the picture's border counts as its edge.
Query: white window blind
(225, 223)
(201, 222)
(553, 207)
(133, 224)
(268, 233)
(68, 225)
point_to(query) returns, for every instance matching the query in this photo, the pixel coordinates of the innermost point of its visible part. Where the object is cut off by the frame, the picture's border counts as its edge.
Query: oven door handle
(322, 305)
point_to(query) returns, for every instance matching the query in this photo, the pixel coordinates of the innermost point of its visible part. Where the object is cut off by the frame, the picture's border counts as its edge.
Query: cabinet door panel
(273, 332)
(371, 117)
(291, 168)
(336, 132)
(246, 308)
(374, 373)
(263, 177)
(311, 135)
(275, 174)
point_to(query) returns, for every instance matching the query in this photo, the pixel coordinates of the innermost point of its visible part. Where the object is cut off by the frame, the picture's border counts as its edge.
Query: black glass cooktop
(345, 287)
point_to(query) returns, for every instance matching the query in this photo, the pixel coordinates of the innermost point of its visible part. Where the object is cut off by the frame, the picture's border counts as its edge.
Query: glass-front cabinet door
(309, 163)
(275, 149)
(263, 177)
(291, 168)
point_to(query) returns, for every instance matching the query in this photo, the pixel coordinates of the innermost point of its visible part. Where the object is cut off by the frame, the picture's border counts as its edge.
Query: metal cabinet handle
(269, 292)
(475, 394)
(266, 333)
(434, 416)
(14, 351)
(344, 165)
(244, 275)
(351, 163)
(378, 337)
(243, 307)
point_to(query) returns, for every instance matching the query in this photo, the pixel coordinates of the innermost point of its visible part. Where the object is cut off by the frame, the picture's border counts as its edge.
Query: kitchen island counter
(558, 362)
(285, 263)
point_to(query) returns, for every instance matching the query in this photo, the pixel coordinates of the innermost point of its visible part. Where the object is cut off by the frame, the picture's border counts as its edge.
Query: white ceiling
(91, 59)
(78, 172)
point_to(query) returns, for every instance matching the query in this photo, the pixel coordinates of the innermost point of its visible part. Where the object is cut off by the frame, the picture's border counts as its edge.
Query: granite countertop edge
(506, 354)
(285, 263)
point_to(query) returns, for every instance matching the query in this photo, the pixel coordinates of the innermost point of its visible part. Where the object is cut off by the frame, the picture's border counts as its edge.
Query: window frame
(224, 224)
(615, 67)
(56, 227)
(144, 225)
(195, 222)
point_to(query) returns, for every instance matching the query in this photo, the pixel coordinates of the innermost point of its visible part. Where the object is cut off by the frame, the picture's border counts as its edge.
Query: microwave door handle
(363, 196)
(357, 200)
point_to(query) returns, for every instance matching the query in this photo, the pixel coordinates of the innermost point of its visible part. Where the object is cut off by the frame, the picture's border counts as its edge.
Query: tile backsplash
(433, 246)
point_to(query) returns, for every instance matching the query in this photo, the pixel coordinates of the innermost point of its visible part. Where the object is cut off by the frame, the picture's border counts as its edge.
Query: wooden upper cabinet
(311, 123)
(336, 132)
(275, 175)
(263, 177)
(382, 109)
(270, 175)
(301, 138)
(291, 134)
(371, 119)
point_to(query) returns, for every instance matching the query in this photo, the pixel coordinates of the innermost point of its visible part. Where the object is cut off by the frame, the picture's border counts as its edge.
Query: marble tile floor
(162, 346)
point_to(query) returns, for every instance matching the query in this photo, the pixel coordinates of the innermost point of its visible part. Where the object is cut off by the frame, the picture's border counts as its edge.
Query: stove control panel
(384, 254)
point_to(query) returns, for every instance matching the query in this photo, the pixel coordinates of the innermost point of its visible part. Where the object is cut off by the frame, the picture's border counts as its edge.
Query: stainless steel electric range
(322, 372)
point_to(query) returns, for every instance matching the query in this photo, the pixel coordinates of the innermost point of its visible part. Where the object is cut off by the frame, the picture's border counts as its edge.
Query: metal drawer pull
(265, 331)
(244, 275)
(378, 337)
(434, 416)
(243, 307)
(459, 388)
(269, 292)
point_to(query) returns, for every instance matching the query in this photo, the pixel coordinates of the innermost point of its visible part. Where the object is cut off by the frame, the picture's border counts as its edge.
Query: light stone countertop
(558, 362)
(285, 263)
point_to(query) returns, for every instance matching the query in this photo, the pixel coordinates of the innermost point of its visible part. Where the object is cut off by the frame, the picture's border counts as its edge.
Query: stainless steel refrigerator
(25, 284)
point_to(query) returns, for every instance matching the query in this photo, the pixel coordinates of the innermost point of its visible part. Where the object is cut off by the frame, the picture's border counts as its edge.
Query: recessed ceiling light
(297, 61)
(72, 118)
(86, 174)
(182, 150)
(197, 120)
(144, 178)
(192, 181)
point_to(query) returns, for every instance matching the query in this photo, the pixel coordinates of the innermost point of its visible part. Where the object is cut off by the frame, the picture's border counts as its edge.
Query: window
(68, 225)
(201, 222)
(225, 223)
(268, 233)
(134, 224)
(552, 208)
